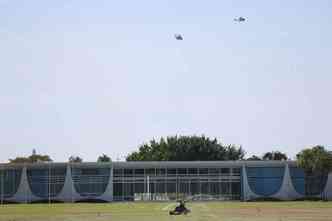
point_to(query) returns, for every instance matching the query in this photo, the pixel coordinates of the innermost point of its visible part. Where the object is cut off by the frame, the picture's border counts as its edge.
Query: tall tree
(186, 148)
(103, 159)
(274, 155)
(75, 159)
(315, 161)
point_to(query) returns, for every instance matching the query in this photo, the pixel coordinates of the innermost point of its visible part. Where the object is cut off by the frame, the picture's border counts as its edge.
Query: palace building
(160, 181)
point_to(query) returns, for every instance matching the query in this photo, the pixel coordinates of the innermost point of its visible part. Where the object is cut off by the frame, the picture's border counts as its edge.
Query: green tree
(317, 163)
(186, 148)
(104, 158)
(315, 159)
(274, 155)
(33, 158)
(20, 160)
(254, 158)
(75, 159)
(40, 158)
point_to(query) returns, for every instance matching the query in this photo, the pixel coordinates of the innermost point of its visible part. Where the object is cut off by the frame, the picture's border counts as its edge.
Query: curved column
(24, 193)
(324, 191)
(68, 192)
(328, 188)
(287, 190)
(13, 182)
(108, 194)
(299, 180)
(248, 194)
(91, 182)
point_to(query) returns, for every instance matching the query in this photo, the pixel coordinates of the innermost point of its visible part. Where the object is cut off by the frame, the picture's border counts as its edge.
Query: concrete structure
(215, 180)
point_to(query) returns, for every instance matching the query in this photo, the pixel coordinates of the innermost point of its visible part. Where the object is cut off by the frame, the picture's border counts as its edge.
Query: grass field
(230, 211)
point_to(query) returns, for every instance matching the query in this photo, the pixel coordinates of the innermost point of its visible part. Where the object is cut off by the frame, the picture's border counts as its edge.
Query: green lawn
(237, 211)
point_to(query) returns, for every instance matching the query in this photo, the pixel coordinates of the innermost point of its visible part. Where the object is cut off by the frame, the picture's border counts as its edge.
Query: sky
(84, 78)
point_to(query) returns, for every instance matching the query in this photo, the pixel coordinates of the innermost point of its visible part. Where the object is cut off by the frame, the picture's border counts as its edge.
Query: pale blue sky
(93, 77)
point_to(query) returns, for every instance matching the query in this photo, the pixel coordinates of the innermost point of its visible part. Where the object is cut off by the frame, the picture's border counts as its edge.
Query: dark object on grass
(240, 19)
(178, 37)
(180, 209)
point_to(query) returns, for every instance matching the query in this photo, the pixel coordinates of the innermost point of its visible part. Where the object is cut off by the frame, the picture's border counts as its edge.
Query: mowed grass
(155, 211)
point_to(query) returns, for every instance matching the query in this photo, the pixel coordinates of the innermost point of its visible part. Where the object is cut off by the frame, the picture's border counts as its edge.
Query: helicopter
(178, 37)
(240, 19)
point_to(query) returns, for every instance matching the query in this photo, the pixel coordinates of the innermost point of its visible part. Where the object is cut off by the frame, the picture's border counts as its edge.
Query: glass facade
(9, 181)
(265, 181)
(308, 184)
(90, 181)
(176, 183)
(47, 181)
(136, 181)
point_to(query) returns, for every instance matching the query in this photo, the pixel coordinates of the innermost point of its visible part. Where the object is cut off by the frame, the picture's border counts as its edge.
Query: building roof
(158, 164)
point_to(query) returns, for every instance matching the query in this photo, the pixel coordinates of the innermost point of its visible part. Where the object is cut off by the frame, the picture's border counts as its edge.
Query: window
(214, 171)
(128, 172)
(150, 172)
(139, 172)
(225, 170)
(236, 171)
(89, 171)
(192, 171)
(161, 172)
(182, 171)
(171, 172)
(203, 171)
(118, 172)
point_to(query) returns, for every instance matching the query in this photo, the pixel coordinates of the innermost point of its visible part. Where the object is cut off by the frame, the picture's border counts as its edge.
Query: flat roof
(157, 164)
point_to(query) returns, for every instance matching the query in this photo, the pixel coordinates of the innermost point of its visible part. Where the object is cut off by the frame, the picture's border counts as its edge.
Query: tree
(275, 155)
(317, 163)
(186, 148)
(20, 160)
(75, 159)
(315, 159)
(104, 158)
(33, 158)
(254, 158)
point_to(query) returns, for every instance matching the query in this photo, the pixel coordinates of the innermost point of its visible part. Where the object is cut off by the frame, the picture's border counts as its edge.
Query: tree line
(186, 148)
(201, 148)
(38, 158)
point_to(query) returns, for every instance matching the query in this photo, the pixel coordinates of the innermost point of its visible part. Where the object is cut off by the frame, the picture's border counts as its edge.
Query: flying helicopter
(178, 37)
(240, 19)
